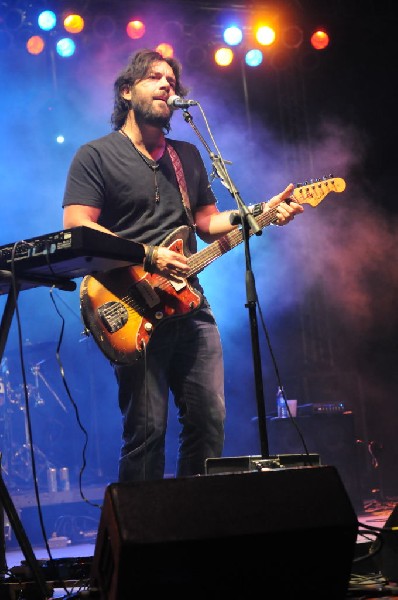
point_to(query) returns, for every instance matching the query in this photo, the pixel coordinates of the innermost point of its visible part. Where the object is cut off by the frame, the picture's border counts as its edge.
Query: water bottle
(281, 405)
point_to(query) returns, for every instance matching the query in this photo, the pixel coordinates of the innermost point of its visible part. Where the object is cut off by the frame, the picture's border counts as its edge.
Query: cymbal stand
(23, 454)
(39, 375)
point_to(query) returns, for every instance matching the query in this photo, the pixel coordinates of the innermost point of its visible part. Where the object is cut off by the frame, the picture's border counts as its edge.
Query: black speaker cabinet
(289, 532)
(387, 546)
(331, 436)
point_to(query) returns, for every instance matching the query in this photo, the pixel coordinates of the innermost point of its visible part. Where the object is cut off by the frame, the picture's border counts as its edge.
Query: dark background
(326, 284)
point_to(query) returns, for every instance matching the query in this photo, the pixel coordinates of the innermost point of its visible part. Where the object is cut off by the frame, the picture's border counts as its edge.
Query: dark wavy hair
(137, 68)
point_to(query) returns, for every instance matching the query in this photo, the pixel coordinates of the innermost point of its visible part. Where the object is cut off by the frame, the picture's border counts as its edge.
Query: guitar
(121, 308)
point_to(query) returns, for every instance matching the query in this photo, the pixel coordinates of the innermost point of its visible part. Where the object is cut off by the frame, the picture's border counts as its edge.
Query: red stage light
(135, 30)
(320, 39)
(35, 44)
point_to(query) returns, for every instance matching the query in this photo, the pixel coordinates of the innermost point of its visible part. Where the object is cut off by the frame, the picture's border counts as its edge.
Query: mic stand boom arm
(248, 222)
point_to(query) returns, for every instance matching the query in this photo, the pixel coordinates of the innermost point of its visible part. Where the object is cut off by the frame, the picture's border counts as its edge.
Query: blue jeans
(184, 356)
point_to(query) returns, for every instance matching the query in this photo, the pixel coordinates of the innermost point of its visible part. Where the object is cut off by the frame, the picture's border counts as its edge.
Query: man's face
(149, 95)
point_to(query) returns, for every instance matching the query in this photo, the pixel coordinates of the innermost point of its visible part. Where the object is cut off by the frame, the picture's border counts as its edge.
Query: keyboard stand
(6, 503)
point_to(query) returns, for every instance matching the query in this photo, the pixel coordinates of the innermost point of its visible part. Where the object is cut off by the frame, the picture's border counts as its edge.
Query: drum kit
(26, 413)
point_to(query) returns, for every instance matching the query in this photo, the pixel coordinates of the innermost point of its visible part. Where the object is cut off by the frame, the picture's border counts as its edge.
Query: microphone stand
(248, 222)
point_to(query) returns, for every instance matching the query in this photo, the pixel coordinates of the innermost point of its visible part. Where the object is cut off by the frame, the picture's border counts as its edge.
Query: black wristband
(148, 265)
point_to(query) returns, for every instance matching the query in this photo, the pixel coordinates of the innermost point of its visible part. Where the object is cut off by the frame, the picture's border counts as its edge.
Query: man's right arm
(165, 262)
(76, 215)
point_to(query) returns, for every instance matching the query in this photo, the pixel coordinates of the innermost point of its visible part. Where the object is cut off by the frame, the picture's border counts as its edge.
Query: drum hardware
(35, 369)
(18, 462)
(21, 459)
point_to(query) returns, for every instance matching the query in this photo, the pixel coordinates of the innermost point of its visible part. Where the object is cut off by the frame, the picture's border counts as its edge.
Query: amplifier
(238, 464)
(321, 408)
(330, 435)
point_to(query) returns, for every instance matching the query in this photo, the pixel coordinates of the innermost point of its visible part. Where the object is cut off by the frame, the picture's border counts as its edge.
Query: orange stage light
(223, 57)
(74, 24)
(166, 50)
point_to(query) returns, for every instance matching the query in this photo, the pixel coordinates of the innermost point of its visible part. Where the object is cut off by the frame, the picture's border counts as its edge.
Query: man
(128, 184)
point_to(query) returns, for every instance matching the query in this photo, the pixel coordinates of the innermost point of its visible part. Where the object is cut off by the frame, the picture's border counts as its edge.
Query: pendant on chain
(154, 167)
(157, 193)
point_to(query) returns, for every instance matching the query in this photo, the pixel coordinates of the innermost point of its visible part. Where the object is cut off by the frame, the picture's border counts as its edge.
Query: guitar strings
(202, 259)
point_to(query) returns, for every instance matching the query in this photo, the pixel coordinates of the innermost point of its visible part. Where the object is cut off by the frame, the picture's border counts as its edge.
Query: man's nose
(164, 82)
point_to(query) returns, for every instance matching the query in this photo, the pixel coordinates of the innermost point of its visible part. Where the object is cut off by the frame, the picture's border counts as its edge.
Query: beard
(145, 114)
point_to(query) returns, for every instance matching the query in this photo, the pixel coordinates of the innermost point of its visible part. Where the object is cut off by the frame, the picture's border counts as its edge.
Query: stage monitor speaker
(387, 557)
(289, 531)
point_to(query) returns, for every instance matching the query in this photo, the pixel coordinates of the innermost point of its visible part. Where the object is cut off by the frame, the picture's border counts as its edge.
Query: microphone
(178, 102)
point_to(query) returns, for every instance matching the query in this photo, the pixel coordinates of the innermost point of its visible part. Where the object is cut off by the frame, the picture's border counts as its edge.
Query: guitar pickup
(113, 315)
(147, 292)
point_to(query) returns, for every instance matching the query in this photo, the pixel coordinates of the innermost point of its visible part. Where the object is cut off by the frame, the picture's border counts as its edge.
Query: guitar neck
(310, 193)
(201, 259)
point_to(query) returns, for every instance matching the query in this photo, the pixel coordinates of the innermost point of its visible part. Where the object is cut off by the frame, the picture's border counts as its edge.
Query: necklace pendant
(157, 195)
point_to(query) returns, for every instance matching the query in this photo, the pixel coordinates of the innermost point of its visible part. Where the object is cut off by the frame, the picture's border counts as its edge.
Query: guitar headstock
(314, 192)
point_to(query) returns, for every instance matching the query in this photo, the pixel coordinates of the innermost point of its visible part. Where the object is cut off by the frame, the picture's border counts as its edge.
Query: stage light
(47, 20)
(135, 30)
(292, 36)
(104, 26)
(265, 35)
(223, 57)
(66, 47)
(172, 30)
(196, 56)
(35, 44)
(233, 35)
(166, 50)
(253, 58)
(14, 19)
(74, 24)
(240, 33)
(319, 40)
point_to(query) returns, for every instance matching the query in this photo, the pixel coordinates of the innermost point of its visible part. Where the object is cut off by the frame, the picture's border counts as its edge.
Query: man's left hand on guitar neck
(287, 206)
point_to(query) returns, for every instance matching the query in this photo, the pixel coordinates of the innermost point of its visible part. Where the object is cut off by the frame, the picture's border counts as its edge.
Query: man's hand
(287, 206)
(166, 262)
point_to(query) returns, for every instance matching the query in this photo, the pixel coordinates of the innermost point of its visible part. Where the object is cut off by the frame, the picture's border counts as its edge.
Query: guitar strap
(182, 184)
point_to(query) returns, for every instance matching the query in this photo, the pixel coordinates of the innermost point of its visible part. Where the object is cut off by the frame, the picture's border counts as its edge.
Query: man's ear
(125, 92)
